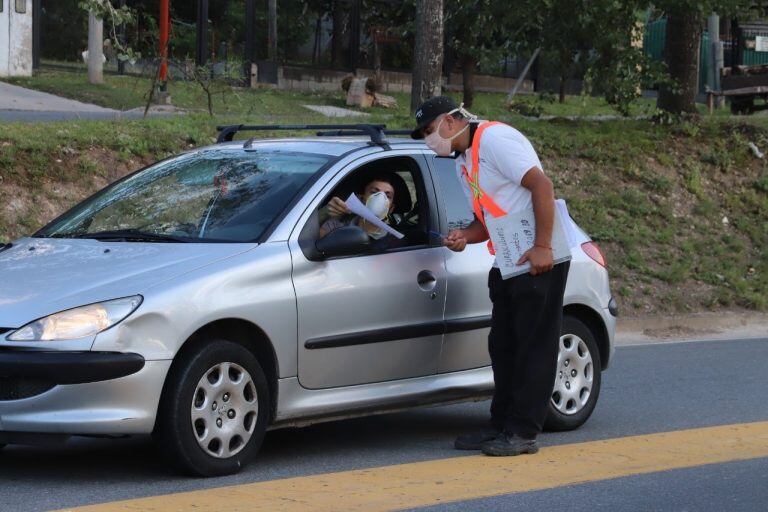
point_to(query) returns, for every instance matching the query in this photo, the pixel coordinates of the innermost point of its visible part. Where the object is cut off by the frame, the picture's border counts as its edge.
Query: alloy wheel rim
(224, 410)
(574, 377)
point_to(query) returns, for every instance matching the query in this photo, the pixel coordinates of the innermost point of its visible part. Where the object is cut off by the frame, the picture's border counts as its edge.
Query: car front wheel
(577, 378)
(214, 410)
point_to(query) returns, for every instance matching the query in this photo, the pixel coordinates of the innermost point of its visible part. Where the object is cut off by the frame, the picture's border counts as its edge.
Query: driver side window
(400, 203)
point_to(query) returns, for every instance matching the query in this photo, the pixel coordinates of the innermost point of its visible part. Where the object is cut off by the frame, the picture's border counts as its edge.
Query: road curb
(692, 327)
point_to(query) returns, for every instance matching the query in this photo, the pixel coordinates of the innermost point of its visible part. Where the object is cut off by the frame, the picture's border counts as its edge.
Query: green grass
(653, 196)
(129, 92)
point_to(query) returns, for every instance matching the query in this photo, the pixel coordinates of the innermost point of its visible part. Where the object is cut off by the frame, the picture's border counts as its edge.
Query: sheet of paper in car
(359, 209)
(514, 233)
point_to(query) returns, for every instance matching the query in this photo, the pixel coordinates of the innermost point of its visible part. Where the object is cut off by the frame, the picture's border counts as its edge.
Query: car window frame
(442, 198)
(419, 159)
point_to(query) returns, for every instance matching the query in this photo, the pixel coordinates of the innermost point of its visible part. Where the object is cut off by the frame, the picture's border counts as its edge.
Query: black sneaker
(475, 440)
(505, 445)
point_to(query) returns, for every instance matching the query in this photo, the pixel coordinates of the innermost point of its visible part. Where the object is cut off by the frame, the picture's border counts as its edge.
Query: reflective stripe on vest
(481, 200)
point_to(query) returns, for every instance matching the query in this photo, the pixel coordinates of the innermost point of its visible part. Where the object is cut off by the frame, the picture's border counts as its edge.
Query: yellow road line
(470, 477)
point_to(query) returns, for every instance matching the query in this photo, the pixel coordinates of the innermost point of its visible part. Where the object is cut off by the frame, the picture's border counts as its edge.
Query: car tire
(214, 410)
(577, 378)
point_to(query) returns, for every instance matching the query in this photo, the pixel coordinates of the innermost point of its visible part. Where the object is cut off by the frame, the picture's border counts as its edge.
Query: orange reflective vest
(481, 200)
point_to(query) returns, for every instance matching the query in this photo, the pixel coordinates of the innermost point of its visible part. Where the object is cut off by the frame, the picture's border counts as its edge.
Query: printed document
(358, 208)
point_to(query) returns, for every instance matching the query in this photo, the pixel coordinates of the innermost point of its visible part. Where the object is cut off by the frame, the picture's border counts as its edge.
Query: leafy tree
(482, 32)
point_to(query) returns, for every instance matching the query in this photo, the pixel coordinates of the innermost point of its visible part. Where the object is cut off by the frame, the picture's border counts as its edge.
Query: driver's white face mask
(378, 203)
(440, 144)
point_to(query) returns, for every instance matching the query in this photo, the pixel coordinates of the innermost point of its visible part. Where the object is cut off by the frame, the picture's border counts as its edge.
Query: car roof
(332, 146)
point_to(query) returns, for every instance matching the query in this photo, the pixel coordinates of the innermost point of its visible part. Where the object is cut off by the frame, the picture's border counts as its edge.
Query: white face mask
(378, 203)
(438, 143)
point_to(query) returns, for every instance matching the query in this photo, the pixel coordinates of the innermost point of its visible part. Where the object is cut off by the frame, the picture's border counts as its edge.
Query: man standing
(501, 173)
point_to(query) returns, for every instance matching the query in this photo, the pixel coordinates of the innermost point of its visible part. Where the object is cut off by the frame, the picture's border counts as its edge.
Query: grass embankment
(681, 212)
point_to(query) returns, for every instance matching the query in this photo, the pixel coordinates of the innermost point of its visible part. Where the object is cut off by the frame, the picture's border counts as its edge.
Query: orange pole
(165, 23)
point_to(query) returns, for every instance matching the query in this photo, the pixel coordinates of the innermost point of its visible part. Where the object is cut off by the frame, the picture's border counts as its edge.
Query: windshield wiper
(131, 235)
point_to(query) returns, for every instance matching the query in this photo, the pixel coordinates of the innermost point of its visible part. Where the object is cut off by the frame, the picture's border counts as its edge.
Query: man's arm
(543, 197)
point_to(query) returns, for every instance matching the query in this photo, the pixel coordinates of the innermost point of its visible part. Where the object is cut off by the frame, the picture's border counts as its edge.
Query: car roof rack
(377, 132)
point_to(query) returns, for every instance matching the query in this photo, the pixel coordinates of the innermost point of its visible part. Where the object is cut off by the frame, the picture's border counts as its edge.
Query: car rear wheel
(214, 411)
(577, 379)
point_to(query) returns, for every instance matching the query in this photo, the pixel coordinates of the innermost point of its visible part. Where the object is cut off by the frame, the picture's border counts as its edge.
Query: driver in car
(379, 197)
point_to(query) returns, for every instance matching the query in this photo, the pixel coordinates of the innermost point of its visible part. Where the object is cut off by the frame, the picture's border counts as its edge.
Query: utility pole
(272, 17)
(95, 49)
(716, 59)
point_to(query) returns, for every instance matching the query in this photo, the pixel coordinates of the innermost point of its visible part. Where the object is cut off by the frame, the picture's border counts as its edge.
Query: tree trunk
(468, 68)
(272, 22)
(428, 52)
(340, 34)
(681, 54)
(563, 82)
(95, 49)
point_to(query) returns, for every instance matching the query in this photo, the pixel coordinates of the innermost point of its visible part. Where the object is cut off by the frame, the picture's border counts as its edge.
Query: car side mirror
(344, 241)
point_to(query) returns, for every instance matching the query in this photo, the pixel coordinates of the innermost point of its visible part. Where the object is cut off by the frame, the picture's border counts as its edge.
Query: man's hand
(540, 259)
(337, 207)
(456, 240)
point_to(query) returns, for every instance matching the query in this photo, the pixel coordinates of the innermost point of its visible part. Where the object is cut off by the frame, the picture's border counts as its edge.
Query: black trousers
(525, 332)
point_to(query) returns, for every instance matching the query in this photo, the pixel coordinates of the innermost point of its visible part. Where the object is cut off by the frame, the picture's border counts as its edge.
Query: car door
(467, 305)
(370, 318)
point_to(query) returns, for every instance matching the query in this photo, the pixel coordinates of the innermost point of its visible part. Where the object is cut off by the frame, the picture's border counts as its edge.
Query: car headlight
(79, 322)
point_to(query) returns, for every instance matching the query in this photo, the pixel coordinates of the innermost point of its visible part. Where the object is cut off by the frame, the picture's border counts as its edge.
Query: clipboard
(514, 233)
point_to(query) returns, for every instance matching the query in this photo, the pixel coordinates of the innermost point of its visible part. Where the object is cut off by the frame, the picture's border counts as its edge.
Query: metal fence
(741, 49)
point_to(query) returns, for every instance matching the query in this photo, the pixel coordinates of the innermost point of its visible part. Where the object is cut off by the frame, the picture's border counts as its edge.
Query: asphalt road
(649, 389)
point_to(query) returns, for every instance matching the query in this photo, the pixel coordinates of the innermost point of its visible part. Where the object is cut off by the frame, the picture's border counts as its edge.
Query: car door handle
(426, 280)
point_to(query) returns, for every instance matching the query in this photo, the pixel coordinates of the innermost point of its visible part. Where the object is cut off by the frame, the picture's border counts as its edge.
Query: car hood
(40, 276)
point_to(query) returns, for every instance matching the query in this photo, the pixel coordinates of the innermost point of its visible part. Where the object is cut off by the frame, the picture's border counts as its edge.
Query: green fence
(751, 57)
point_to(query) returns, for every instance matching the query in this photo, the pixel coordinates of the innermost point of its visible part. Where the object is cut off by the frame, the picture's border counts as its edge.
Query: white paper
(515, 233)
(359, 209)
(761, 44)
(572, 233)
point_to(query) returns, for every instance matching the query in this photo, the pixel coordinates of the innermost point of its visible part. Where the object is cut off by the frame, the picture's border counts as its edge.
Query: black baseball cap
(428, 112)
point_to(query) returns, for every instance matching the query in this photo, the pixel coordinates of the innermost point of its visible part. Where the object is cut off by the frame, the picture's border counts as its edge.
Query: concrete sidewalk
(13, 97)
(691, 327)
(18, 104)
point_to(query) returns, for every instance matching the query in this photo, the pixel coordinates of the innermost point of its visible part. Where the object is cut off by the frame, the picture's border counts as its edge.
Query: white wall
(4, 26)
(16, 39)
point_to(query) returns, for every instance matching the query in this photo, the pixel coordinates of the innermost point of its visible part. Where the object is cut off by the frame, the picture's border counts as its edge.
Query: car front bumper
(89, 393)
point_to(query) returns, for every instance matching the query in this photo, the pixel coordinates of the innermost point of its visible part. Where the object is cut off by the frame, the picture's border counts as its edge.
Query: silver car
(194, 300)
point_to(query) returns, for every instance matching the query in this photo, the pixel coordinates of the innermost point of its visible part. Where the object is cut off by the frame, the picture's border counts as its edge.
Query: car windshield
(213, 195)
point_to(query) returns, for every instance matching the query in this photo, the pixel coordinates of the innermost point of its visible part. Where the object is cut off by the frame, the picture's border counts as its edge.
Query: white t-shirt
(506, 155)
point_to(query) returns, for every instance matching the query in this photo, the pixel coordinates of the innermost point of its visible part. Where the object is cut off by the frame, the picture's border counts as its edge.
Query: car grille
(14, 388)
